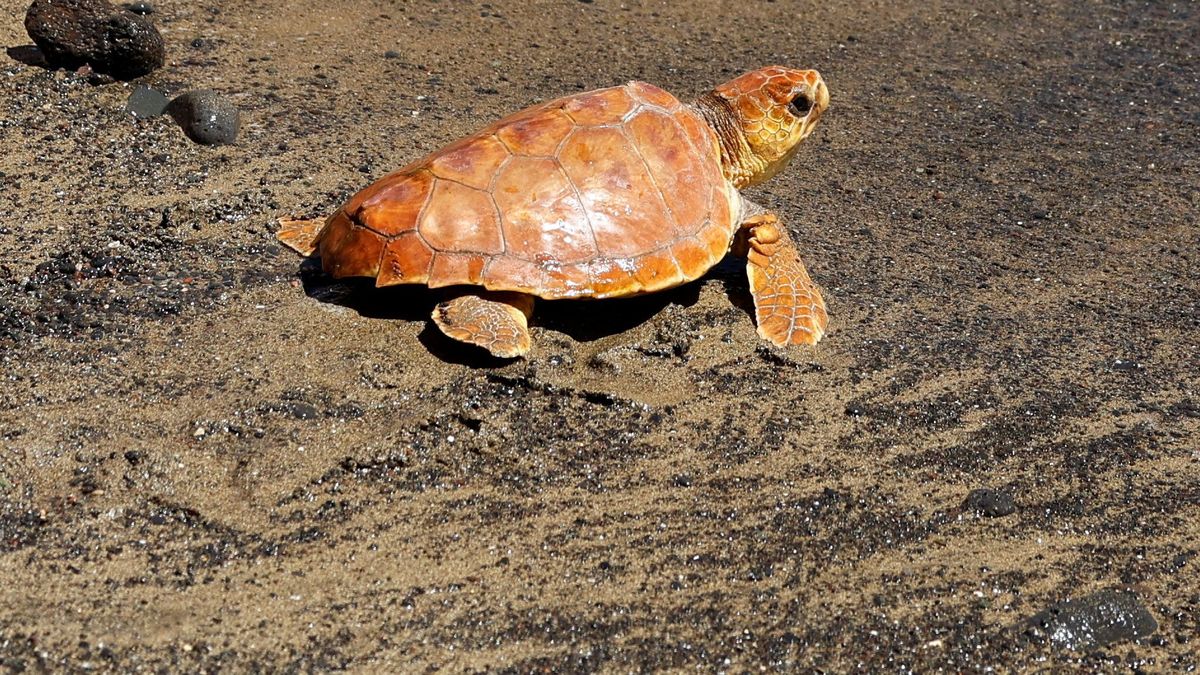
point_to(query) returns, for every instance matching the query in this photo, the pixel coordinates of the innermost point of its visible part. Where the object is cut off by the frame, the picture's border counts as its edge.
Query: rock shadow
(30, 55)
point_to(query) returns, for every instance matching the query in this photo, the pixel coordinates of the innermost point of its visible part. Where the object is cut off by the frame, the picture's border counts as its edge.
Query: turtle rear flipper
(300, 235)
(498, 322)
(788, 306)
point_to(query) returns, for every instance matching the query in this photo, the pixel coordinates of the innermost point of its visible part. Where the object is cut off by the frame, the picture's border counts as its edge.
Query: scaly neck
(738, 161)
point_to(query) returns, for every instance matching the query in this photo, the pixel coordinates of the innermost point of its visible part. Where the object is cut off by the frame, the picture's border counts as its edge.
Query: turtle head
(761, 117)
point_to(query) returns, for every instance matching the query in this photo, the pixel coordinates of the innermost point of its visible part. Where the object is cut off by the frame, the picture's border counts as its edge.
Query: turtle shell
(607, 193)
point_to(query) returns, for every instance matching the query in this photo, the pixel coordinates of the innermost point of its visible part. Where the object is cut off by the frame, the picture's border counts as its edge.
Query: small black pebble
(142, 8)
(391, 54)
(206, 117)
(1182, 559)
(145, 102)
(683, 480)
(302, 411)
(96, 79)
(761, 572)
(1093, 621)
(989, 502)
(855, 410)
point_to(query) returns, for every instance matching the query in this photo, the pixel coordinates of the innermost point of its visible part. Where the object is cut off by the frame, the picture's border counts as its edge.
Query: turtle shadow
(408, 303)
(582, 320)
(731, 274)
(395, 303)
(588, 320)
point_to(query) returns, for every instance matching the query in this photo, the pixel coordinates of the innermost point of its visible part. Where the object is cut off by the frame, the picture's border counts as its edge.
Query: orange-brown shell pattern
(612, 192)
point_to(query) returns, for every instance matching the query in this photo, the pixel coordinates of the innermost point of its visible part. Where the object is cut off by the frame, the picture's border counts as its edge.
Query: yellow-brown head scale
(761, 117)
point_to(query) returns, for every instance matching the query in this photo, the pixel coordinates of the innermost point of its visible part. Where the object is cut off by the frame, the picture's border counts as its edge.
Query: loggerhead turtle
(603, 194)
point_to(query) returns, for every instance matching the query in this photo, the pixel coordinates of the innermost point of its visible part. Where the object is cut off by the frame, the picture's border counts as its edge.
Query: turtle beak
(820, 103)
(822, 97)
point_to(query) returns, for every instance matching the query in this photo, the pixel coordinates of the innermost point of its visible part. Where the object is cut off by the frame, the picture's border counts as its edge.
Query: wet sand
(212, 457)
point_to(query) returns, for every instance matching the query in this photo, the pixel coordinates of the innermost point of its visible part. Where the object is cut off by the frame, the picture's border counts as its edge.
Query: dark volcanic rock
(1093, 621)
(206, 117)
(72, 33)
(989, 502)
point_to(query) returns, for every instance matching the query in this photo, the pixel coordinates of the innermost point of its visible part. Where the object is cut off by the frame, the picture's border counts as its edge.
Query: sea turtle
(608, 193)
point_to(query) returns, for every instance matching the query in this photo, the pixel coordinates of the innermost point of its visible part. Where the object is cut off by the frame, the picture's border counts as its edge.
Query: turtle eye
(800, 105)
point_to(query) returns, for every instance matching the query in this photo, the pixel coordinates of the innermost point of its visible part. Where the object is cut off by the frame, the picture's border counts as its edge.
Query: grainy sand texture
(214, 458)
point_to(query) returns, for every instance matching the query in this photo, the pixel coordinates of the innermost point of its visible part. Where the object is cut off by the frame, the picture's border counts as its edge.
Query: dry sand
(213, 459)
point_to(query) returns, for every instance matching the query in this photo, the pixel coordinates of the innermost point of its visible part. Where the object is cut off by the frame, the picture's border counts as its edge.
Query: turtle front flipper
(787, 304)
(498, 322)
